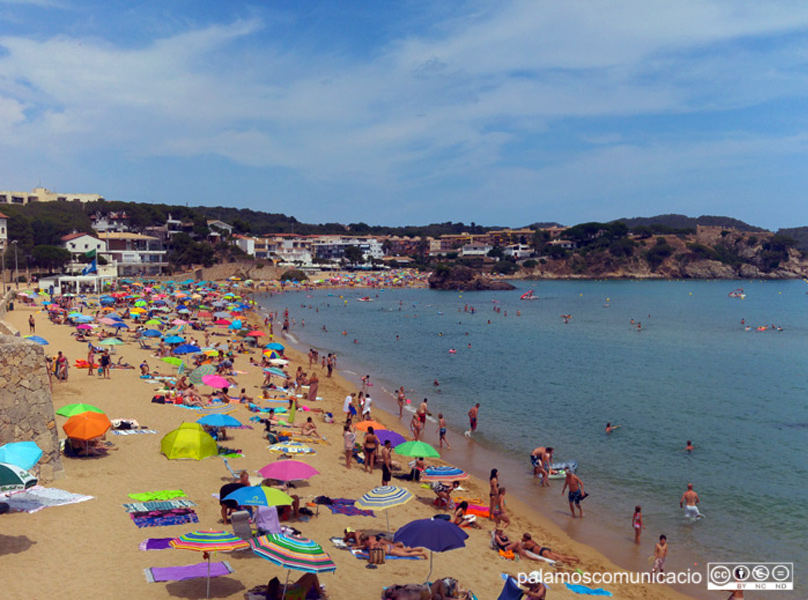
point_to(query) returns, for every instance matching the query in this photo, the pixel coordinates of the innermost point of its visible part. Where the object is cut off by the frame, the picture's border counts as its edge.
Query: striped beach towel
(164, 518)
(132, 431)
(157, 505)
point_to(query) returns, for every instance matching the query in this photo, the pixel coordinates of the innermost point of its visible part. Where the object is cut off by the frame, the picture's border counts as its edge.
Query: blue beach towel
(582, 589)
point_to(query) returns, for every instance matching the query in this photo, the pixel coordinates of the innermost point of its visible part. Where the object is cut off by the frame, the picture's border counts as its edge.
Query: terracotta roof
(73, 236)
(2, 216)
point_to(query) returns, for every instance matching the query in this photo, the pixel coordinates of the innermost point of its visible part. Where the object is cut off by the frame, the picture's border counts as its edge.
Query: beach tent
(189, 440)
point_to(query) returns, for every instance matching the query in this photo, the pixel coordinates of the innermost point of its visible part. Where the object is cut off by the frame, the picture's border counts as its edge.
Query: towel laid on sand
(158, 495)
(217, 569)
(582, 589)
(344, 506)
(157, 505)
(164, 518)
(36, 498)
(132, 431)
(361, 554)
(156, 544)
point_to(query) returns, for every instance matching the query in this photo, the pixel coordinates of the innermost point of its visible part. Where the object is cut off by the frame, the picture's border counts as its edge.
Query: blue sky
(413, 112)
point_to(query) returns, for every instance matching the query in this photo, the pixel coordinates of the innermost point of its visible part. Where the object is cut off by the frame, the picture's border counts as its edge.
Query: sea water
(668, 361)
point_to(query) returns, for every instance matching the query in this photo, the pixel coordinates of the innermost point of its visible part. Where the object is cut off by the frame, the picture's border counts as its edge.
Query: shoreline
(48, 538)
(477, 459)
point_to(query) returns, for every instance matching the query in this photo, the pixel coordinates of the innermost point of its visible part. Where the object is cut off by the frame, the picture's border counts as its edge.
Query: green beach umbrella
(416, 449)
(71, 410)
(197, 374)
(153, 322)
(110, 342)
(172, 360)
(14, 478)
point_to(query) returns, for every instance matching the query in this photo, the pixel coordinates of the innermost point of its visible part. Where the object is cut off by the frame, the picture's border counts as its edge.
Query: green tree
(50, 257)
(353, 254)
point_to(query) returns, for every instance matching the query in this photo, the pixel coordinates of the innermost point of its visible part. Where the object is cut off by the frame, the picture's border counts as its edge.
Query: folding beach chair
(241, 524)
(229, 468)
(143, 345)
(511, 589)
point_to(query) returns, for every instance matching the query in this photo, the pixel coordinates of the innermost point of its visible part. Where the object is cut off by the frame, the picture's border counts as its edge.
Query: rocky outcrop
(464, 278)
(26, 407)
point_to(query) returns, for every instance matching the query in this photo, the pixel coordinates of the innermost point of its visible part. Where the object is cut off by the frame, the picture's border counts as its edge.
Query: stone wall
(26, 406)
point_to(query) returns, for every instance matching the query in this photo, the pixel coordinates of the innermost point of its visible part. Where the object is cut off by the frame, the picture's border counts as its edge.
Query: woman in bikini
(493, 492)
(369, 446)
(527, 544)
(401, 398)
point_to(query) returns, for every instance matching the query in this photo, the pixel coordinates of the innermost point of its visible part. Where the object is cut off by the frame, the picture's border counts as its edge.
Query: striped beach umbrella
(384, 497)
(293, 553)
(446, 473)
(13, 478)
(291, 448)
(209, 541)
(198, 373)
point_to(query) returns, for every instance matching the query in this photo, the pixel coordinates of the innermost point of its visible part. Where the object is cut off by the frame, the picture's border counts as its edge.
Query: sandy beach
(91, 549)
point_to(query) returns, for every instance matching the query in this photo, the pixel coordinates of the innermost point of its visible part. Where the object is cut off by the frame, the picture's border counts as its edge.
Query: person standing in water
(689, 502)
(637, 524)
(442, 431)
(576, 493)
(475, 410)
(401, 398)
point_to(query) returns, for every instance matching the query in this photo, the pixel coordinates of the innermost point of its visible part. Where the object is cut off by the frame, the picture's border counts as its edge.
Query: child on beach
(660, 554)
(637, 524)
(442, 431)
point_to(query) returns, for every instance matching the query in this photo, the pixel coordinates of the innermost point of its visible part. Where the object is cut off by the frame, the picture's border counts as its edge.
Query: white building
(475, 250)
(518, 251)
(3, 232)
(135, 254)
(41, 194)
(79, 244)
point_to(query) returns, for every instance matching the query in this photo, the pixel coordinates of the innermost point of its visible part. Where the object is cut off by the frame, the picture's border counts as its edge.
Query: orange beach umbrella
(86, 426)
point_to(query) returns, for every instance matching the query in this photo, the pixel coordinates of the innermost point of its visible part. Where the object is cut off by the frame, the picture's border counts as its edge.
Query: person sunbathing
(527, 544)
(368, 543)
(446, 588)
(302, 588)
(461, 519)
(501, 541)
(310, 429)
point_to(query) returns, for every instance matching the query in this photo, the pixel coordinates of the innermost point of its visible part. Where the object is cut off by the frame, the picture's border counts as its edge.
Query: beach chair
(143, 345)
(511, 589)
(229, 468)
(241, 524)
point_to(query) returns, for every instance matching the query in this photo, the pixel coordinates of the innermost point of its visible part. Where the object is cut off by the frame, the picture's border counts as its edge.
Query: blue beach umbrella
(219, 420)
(185, 348)
(259, 495)
(275, 346)
(120, 325)
(21, 454)
(174, 339)
(274, 371)
(39, 340)
(435, 534)
(151, 333)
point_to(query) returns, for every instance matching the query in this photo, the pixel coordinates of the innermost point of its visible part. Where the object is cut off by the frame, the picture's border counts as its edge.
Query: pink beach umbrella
(288, 470)
(215, 381)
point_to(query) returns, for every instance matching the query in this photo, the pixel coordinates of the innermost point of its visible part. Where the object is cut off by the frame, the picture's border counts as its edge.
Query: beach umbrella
(209, 541)
(197, 374)
(71, 410)
(255, 333)
(219, 420)
(259, 495)
(84, 326)
(274, 371)
(13, 478)
(435, 534)
(153, 322)
(189, 440)
(35, 338)
(235, 324)
(21, 454)
(446, 473)
(386, 434)
(291, 448)
(275, 346)
(416, 449)
(120, 325)
(186, 349)
(363, 425)
(288, 470)
(222, 321)
(384, 497)
(293, 553)
(151, 333)
(107, 321)
(215, 381)
(110, 342)
(272, 354)
(87, 425)
(172, 360)
(174, 339)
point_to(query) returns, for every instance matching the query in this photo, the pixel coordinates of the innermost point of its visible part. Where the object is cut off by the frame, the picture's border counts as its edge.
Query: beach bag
(376, 556)
(328, 418)
(159, 399)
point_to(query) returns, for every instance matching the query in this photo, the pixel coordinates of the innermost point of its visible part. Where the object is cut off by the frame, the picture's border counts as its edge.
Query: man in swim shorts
(473, 418)
(689, 501)
(576, 493)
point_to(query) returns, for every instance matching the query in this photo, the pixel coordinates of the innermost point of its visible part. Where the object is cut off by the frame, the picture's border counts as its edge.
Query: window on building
(17, 200)
(33, 198)
(4, 198)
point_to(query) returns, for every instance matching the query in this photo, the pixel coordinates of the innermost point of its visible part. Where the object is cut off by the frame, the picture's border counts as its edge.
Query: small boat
(528, 295)
(559, 470)
(737, 294)
(365, 299)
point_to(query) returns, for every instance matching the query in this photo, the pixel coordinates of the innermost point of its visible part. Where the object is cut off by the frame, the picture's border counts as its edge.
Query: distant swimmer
(689, 502)
(436, 383)
(610, 427)
(689, 447)
(566, 318)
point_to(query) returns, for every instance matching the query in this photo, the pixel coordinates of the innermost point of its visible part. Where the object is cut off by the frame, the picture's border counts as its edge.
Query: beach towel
(156, 544)
(363, 555)
(217, 569)
(132, 431)
(582, 589)
(345, 506)
(157, 505)
(158, 495)
(36, 498)
(164, 518)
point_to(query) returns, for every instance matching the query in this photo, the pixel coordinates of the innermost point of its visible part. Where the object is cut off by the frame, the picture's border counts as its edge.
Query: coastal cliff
(464, 278)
